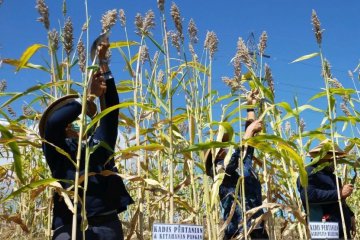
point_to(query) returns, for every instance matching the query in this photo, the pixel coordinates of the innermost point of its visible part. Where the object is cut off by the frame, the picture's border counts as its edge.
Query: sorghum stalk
(78, 155)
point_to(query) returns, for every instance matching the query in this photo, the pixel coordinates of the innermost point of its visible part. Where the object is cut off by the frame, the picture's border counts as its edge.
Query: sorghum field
(166, 123)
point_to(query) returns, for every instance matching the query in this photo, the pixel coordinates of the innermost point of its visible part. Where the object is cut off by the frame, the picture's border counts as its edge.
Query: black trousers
(99, 228)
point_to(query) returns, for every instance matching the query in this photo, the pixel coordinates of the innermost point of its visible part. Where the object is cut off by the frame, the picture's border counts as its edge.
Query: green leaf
(118, 106)
(156, 44)
(305, 57)
(215, 188)
(318, 95)
(273, 145)
(16, 63)
(120, 44)
(149, 147)
(208, 145)
(15, 152)
(196, 65)
(29, 52)
(28, 187)
(32, 89)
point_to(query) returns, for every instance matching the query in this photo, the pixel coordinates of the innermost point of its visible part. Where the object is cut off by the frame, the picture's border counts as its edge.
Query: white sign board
(322, 230)
(177, 232)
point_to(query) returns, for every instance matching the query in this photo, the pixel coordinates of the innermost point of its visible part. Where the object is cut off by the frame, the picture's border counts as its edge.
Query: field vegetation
(167, 122)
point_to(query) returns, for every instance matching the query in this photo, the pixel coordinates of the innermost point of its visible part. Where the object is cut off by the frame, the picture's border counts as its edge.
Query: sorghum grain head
(302, 125)
(108, 20)
(144, 54)
(234, 83)
(122, 17)
(139, 20)
(345, 109)
(211, 43)
(81, 55)
(44, 13)
(160, 76)
(192, 30)
(243, 53)
(262, 43)
(149, 22)
(175, 39)
(316, 27)
(27, 110)
(11, 111)
(269, 78)
(3, 85)
(175, 14)
(53, 37)
(161, 4)
(67, 36)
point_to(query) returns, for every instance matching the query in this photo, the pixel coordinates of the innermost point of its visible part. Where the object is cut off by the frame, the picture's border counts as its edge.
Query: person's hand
(346, 190)
(102, 49)
(97, 86)
(253, 128)
(353, 226)
(252, 97)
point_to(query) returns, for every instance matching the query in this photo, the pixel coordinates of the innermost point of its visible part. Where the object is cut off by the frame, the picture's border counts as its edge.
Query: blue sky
(287, 23)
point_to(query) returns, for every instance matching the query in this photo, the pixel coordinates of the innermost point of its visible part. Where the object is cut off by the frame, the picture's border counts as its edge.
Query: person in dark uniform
(322, 192)
(106, 196)
(227, 189)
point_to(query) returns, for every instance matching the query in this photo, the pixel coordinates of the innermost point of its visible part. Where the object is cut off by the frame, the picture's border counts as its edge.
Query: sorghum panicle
(175, 14)
(144, 54)
(237, 66)
(192, 30)
(316, 27)
(156, 57)
(27, 110)
(243, 53)
(11, 111)
(269, 78)
(262, 43)
(161, 4)
(302, 125)
(43, 10)
(327, 69)
(81, 55)
(3, 85)
(139, 23)
(160, 76)
(345, 109)
(211, 43)
(287, 127)
(234, 83)
(67, 36)
(122, 17)
(53, 37)
(175, 39)
(149, 22)
(108, 20)
(192, 51)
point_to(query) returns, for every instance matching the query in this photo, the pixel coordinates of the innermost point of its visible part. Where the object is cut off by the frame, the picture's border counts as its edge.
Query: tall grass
(167, 122)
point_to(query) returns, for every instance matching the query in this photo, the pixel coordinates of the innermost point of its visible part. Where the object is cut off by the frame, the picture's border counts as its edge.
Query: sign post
(324, 230)
(162, 231)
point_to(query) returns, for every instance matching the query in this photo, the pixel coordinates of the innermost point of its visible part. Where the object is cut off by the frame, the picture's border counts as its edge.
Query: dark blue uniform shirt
(104, 194)
(322, 193)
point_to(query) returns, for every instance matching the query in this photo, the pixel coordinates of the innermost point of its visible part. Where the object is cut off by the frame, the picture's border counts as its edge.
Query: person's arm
(316, 194)
(252, 127)
(107, 130)
(55, 127)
